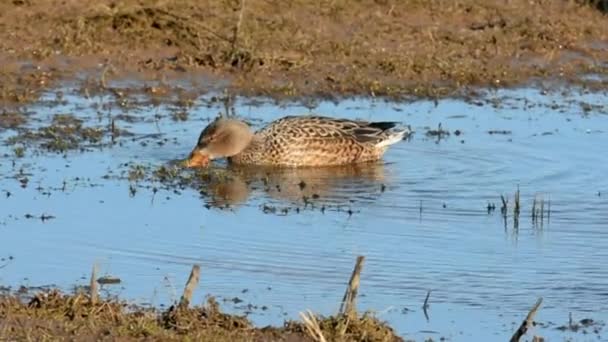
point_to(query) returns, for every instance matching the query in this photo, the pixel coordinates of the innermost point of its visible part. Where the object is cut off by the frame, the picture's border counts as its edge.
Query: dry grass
(53, 315)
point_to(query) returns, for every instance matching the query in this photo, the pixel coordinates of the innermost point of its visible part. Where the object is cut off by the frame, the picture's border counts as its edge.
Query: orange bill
(197, 160)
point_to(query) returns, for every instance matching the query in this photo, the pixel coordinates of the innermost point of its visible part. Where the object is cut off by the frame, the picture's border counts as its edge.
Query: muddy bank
(52, 314)
(47, 313)
(327, 48)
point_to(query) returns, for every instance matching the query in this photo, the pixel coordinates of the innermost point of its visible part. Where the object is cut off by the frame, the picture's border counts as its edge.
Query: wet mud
(305, 48)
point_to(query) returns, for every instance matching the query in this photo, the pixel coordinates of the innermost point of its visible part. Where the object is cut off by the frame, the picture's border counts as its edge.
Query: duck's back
(317, 140)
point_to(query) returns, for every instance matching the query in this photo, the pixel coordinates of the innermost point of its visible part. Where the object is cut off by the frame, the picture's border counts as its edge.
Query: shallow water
(420, 217)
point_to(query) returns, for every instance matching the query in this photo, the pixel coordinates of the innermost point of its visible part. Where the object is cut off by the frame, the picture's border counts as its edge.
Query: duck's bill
(196, 160)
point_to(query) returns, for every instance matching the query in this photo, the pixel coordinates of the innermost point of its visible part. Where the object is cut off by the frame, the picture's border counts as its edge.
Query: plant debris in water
(12, 119)
(65, 132)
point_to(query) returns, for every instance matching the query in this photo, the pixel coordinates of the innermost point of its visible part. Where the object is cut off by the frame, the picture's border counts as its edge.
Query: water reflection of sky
(420, 218)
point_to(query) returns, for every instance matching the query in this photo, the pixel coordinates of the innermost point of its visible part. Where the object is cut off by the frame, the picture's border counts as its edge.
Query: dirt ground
(394, 48)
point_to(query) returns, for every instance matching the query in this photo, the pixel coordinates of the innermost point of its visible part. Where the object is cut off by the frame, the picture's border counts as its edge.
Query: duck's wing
(320, 128)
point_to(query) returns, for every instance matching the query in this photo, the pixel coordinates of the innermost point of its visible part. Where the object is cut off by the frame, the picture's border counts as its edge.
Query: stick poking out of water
(516, 208)
(534, 209)
(93, 286)
(425, 306)
(528, 322)
(348, 306)
(505, 205)
(190, 286)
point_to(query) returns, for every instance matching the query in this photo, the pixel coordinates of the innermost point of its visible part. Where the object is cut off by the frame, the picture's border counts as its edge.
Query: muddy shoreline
(52, 314)
(41, 314)
(386, 48)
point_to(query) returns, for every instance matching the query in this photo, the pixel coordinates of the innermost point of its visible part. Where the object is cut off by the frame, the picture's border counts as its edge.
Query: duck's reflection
(319, 186)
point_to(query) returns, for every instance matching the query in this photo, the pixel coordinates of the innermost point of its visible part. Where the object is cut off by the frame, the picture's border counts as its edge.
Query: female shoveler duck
(295, 141)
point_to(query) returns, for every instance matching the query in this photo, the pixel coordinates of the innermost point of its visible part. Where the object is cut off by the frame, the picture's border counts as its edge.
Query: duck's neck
(250, 154)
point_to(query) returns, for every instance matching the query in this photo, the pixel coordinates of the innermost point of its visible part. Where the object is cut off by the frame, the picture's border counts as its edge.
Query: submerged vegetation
(64, 133)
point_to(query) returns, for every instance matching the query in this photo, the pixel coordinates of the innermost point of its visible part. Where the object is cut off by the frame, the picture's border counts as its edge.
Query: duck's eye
(204, 141)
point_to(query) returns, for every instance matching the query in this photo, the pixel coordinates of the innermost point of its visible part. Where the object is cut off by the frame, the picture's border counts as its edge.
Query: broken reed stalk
(94, 294)
(542, 210)
(534, 209)
(538, 210)
(348, 306)
(343, 327)
(527, 323)
(516, 210)
(505, 206)
(312, 326)
(425, 306)
(190, 286)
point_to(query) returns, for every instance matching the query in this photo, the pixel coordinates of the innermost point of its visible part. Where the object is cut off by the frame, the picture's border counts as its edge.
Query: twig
(237, 28)
(190, 286)
(528, 322)
(93, 286)
(348, 306)
(103, 82)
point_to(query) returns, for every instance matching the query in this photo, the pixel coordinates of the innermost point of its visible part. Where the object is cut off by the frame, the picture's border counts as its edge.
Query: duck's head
(222, 138)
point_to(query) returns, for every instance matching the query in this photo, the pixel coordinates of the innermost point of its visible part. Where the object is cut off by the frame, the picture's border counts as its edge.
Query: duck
(296, 141)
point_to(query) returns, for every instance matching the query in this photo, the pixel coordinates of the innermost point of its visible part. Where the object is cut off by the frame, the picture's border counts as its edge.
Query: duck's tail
(394, 136)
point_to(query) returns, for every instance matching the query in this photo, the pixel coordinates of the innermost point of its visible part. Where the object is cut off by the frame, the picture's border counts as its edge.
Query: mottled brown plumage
(296, 141)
